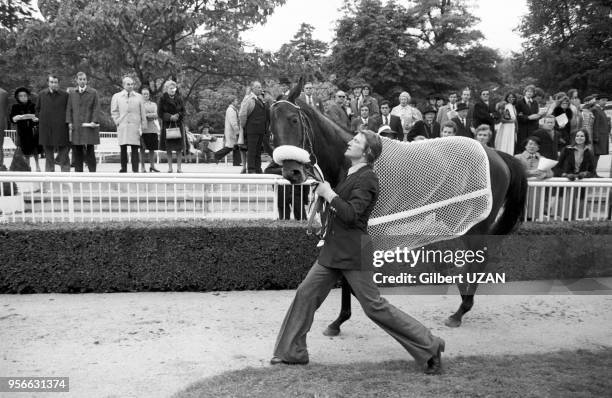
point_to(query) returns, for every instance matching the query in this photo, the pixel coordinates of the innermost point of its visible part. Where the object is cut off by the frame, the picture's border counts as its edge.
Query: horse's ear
(296, 91)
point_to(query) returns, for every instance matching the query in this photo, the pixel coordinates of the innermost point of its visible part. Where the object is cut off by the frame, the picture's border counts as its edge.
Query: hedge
(239, 255)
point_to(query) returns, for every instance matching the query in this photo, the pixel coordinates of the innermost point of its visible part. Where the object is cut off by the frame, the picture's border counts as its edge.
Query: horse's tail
(516, 197)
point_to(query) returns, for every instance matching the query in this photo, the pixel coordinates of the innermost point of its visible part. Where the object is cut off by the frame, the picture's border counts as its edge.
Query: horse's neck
(330, 144)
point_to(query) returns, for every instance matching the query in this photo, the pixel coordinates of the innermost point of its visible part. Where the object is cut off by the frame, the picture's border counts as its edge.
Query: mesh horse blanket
(430, 191)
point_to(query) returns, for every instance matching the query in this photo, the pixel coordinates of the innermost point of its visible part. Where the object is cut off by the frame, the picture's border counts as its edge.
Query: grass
(560, 374)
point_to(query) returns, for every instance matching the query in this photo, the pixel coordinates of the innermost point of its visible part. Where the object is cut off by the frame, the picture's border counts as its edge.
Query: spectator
(311, 98)
(485, 113)
(337, 112)
(3, 124)
(549, 139)
(371, 102)
(254, 121)
(484, 134)
(430, 102)
(562, 107)
(449, 129)
(232, 132)
(355, 101)
(462, 121)
(588, 117)
(530, 158)
(601, 128)
(466, 94)
(576, 122)
(150, 134)
(448, 111)
(23, 115)
(387, 119)
(82, 116)
(576, 160)
(171, 111)
(53, 131)
(202, 143)
(439, 102)
(364, 122)
(128, 113)
(528, 114)
(427, 128)
(406, 112)
(506, 134)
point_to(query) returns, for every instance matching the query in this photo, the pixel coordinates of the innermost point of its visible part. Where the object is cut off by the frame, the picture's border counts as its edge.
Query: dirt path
(154, 344)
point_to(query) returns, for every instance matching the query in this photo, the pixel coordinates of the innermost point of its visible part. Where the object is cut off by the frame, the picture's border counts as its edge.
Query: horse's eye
(294, 121)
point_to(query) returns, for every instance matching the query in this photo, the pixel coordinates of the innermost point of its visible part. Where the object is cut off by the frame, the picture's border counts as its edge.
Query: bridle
(307, 133)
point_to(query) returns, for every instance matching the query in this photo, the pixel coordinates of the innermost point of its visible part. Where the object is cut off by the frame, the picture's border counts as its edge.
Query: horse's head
(292, 137)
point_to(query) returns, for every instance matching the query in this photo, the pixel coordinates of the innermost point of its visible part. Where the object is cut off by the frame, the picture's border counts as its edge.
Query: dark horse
(293, 122)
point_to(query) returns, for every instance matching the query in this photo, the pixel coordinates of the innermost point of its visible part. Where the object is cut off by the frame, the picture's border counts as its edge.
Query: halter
(307, 133)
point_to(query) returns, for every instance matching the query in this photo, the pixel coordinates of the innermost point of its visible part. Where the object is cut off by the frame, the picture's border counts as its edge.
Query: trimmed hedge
(238, 255)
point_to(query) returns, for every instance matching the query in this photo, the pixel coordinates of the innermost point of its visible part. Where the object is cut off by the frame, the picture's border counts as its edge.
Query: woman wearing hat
(23, 116)
(427, 128)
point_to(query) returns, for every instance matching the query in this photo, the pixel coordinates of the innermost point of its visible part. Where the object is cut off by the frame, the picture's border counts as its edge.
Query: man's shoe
(434, 364)
(278, 361)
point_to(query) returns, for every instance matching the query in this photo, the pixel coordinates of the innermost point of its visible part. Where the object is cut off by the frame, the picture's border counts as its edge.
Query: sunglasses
(341, 96)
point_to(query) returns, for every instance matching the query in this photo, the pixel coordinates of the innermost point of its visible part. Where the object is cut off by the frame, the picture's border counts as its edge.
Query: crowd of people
(520, 124)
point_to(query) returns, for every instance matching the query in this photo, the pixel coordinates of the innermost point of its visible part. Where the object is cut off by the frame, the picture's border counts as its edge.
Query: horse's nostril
(295, 172)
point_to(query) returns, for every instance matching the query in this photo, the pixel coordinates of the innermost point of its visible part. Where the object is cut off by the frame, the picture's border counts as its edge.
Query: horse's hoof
(452, 322)
(329, 332)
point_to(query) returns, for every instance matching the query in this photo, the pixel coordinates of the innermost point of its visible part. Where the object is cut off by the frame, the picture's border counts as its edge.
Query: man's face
(128, 85)
(384, 109)
(357, 91)
(365, 112)
(463, 113)
(355, 147)
(340, 98)
(484, 96)
(548, 124)
(465, 96)
(82, 80)
(429, 117)
(603, 102)
(529, 94)
(308, 89)
(256, 89)
(532, 146)
(452, 98)
(53, 83)
(447, 131)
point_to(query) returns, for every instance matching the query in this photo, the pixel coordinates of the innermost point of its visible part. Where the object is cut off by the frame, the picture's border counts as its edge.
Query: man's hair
(533, 138)
(450, 124)
(79, 74)
(255, 81)
(364, 106)
(530, 87)
(52, 76)
(547, 117)
(453, 93)
(385, 102)
(483, 127)
(373, 147)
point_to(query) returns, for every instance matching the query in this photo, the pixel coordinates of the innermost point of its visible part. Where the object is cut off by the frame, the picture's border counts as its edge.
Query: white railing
(557, 199)
(55, 197)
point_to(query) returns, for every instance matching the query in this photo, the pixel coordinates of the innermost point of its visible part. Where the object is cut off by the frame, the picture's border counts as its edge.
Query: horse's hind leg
(345, 311)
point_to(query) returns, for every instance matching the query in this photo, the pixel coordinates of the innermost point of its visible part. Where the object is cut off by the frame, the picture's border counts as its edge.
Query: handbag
(173, 133)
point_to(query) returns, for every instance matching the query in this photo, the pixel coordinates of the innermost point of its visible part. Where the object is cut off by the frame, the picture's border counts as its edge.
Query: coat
(395, 123)
(548, 144)
(567, 162)
(337, 113)
(525, 126)
(357, 124)
(83, 108)
(601, 131)
(564, 132)
(463, 130)
(232, 127)
(51, 113)
(167, 107)
(317, 103)
(425, 130)
(443, 113)
(130, 117)
(347, 243)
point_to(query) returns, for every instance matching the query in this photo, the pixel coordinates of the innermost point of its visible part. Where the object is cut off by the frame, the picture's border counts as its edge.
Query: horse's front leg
(345, 310)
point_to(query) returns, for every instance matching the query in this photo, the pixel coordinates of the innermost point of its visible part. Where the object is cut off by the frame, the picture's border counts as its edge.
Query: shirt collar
(355, 168)
(82, 90)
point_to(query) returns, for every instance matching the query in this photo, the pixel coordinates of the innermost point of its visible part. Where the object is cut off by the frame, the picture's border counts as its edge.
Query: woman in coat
(231, 133)
(564, 129)
(577, 160)
(23, 116)
(171, 110)
(505, 139)
(149, 139)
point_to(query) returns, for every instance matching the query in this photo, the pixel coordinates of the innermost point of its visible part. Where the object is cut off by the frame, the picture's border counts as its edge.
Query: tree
(303, 55)
(13, 11)
(568, 44)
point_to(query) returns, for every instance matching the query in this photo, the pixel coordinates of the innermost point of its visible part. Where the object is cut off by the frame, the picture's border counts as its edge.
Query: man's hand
(325, 191)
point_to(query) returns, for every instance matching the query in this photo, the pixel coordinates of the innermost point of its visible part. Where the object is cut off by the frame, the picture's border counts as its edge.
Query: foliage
(568, 44)
(302, 56)
(14, 11)
(426, 46)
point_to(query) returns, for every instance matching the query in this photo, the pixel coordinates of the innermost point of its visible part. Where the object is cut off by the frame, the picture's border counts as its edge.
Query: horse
(295, 123)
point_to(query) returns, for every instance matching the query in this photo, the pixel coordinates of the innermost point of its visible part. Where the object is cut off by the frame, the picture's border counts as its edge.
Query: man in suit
(254, 120)
(52, 126)
(549, 138)
(427, 128)
(348, 252)
(3, 124)
(364, 121)
(336, 110)
(387, 119)
(310, 98)
(528, 116)
(356, 101)
(448, 111)
(601, 128)
(83, 107)
(462, 121)
(485, 113)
